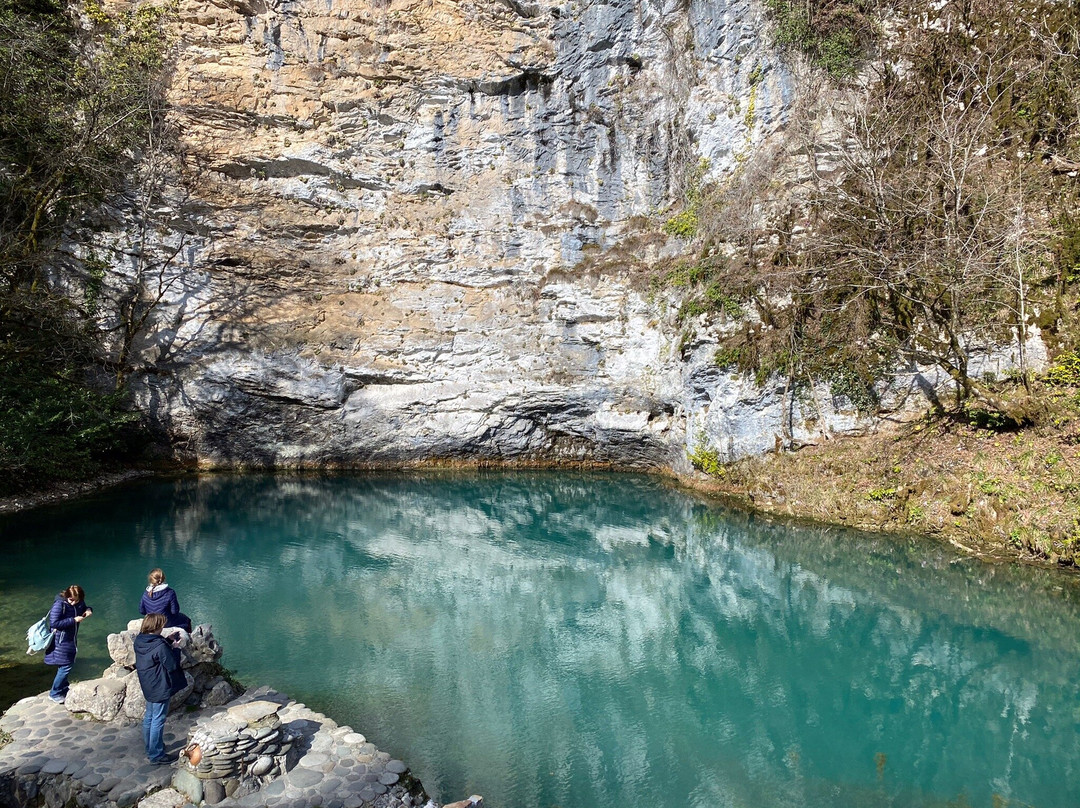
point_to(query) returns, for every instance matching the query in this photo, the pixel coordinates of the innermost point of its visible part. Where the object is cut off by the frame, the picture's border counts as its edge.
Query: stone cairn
(236, 752)
(118, 692)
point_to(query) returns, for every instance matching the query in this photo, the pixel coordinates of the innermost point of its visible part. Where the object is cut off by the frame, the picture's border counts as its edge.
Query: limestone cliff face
(393, 206)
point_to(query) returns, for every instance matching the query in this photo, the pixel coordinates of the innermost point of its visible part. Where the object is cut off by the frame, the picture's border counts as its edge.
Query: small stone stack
(234, 753)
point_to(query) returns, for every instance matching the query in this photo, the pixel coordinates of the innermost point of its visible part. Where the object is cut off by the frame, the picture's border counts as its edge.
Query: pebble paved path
(104, 764)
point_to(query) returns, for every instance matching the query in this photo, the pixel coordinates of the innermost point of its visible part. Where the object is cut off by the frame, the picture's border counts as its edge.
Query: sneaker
(165, 759)
(57, 699)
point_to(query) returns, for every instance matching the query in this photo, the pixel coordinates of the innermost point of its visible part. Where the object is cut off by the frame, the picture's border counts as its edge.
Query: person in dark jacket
(160, 598)
(157, 662)
(68, 610)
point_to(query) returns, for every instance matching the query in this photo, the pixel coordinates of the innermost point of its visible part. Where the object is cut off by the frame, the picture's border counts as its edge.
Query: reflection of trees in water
(615, 632)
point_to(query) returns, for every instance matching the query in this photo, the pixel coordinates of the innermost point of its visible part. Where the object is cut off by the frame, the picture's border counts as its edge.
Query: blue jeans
(60, 683)
(153, 728)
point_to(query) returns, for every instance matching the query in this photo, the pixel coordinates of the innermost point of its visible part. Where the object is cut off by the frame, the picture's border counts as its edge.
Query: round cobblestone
(330, 785)
(31, 767)
(275, 788)
(305, 778)
(314, 760)
(397, 767)
(54, 766)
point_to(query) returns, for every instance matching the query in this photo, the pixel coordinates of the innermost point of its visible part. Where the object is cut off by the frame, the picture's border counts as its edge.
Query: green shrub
(705, 459)
(55, 427)
(835, 36)
(881, 494)
(683, 224)
(1065, 371)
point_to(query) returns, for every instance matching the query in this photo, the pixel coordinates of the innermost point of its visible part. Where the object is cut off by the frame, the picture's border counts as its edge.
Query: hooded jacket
(65, 631)
(161, 599)
(158, 666)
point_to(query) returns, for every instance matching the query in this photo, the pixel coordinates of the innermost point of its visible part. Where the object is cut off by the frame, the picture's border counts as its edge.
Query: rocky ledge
(254, 748)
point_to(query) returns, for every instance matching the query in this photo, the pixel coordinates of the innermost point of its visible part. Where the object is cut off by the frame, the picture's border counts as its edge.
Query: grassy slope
(1003, 494)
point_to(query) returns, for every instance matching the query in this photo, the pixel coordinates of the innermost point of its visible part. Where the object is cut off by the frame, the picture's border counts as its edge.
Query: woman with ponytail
(160, 598)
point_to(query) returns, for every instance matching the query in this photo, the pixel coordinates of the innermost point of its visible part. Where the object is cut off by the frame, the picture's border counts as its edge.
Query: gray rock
(54, 766)
(101, 698)
(126, 794)
(213, 791)
(262, 766)
(134, 701)
(122, 648)
(32, 766)
(178, 699)
(166, 798)
(314, 760)
(188, 784)
(253, 712)
(305, 778)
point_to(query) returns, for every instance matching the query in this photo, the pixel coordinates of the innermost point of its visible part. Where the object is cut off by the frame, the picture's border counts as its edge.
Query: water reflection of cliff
(605, 640)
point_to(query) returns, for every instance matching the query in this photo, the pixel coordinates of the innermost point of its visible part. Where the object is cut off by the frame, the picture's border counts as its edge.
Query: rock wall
(387, 234)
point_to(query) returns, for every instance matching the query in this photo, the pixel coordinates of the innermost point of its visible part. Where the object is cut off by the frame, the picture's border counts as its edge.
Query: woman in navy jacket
(68, 610)
(160, 598)
(158, 664)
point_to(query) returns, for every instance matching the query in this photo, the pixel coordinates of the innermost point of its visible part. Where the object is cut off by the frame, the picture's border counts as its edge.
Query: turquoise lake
(590, 640)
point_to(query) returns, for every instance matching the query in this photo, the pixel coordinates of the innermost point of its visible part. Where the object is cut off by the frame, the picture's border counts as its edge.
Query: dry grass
(991, 493)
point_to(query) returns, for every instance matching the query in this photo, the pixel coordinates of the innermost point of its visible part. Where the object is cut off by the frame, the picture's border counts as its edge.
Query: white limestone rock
(122, 648)
(101, 698)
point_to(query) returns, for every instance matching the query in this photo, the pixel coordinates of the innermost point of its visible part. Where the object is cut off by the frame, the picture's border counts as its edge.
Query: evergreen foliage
(80, 98)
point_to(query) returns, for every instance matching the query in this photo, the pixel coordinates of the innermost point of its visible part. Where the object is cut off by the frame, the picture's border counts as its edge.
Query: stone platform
(58, 759)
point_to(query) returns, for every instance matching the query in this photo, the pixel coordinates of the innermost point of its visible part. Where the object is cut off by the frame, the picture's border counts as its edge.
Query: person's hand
(79, 618)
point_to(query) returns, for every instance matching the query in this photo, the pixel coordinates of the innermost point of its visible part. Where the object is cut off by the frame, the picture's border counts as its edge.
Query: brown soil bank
(991, 493)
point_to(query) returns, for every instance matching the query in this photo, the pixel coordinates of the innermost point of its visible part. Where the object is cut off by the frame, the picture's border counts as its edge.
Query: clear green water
(589, 640)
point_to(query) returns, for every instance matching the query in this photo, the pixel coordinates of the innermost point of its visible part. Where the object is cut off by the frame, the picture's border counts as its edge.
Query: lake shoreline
(867, 494)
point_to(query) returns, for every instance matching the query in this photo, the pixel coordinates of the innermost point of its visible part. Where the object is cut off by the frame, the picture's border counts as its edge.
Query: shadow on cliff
(200, 328)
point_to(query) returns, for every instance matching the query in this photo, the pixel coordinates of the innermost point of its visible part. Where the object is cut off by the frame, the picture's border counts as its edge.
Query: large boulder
(101, 698)
(122, 648)
(134, 703)
(220, 692)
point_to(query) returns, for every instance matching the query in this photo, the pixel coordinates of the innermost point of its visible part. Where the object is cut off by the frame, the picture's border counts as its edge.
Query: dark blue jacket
(165, 602)
(158, 665)
(65, 630)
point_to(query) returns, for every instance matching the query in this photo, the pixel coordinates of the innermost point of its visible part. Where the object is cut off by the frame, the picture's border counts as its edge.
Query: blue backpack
(39, 637)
